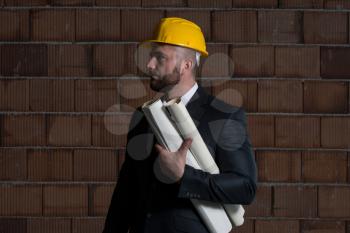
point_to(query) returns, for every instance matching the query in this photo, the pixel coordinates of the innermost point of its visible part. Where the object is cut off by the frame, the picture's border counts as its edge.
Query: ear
(186, 65)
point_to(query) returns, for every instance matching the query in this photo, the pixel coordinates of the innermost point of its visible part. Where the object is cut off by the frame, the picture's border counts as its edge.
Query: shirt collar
(188, 95)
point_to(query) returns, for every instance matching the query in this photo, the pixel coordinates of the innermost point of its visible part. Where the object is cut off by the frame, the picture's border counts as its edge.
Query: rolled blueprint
(188, 129)
(212, 214)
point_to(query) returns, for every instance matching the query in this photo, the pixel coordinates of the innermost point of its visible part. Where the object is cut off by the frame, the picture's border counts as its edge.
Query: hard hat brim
(203, 53)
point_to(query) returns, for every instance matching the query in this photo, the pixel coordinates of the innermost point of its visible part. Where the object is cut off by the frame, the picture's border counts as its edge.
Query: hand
(172, 164)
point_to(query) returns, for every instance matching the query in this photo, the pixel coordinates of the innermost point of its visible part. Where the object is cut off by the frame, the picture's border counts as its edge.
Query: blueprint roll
(187, 128)
(212, 214)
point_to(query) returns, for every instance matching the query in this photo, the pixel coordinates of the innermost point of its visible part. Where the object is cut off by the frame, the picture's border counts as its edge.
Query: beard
(166, 82)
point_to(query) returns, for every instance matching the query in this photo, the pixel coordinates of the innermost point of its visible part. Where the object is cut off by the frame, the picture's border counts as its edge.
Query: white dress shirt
(188, 95)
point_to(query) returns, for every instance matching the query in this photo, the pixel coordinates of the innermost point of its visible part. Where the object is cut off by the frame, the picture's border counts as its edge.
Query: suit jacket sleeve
(236, 183)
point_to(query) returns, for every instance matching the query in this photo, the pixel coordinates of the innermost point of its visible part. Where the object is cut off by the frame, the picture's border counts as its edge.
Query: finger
(186, 144)
(159, 148)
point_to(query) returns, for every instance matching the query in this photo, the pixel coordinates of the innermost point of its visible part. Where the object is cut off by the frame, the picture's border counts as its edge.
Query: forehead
(163, 48)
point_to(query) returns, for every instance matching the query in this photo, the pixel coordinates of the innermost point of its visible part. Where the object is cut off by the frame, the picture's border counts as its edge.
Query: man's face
(163, 68)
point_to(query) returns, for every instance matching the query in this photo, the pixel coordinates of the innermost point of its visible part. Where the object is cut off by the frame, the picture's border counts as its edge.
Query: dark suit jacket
(142, 203)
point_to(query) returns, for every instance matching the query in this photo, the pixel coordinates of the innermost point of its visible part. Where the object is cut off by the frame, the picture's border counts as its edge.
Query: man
(142, 202)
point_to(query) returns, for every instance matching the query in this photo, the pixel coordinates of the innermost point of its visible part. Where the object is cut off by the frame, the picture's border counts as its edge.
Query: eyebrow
(158, 54)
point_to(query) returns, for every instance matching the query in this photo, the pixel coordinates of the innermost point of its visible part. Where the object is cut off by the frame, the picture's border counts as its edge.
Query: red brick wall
(69, 82)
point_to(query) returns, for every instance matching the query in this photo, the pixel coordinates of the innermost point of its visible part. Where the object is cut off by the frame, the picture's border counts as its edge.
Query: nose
(151, 64)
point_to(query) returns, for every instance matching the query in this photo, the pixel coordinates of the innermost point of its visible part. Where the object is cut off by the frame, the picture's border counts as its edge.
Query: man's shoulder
(137, 118)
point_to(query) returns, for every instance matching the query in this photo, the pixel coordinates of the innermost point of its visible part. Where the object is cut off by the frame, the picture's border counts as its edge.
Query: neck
(180, 89)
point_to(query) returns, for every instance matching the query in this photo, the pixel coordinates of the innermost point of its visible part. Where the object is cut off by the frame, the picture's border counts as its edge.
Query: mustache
(152, 74)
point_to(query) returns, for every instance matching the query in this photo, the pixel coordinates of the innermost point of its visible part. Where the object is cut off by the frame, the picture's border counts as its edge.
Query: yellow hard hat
(181, 32)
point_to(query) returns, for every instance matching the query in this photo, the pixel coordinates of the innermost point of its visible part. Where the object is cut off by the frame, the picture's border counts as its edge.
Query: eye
(160, 58)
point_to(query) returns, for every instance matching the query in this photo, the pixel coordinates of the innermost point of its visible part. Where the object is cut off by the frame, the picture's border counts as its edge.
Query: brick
(95, 95)
(280, 26)
(314, 226)
(297, 132)
(295, 201)
(18, 225)
(218, 64)
(72, 2)
(336, 4)
(238, 93)
(206, 84)
(69, 130)
(317, 4)
(252, 102)
(118, 3)
(114, 60)
(98, 25)
(53, 25)
(348, 167)
(335, 62)
(20, 130)
(51, 95)
(335, 132)
(69, 60)
(95, 165)
(276, 226)
(26, 3)
(13, 95)
(52, 225)
(201, 18)
(50, 165)
(23, 60)
(20, 200)
(334, 98)
(101, 199)
(87, 225)
(279, 166)
(262, 130)
(253, 60)
(255, 3)
(261, 206)
(133, 93)
(280, 96)
(139, 25)
(301, 62)
(247, 227)
(160, 3)
(110, 130)
(13, 164)
(325, 28)
(65, 200)
(210, 3)
(234, 26)
(233, 92)
(324, 166)
(14, 25)
(334, 202)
